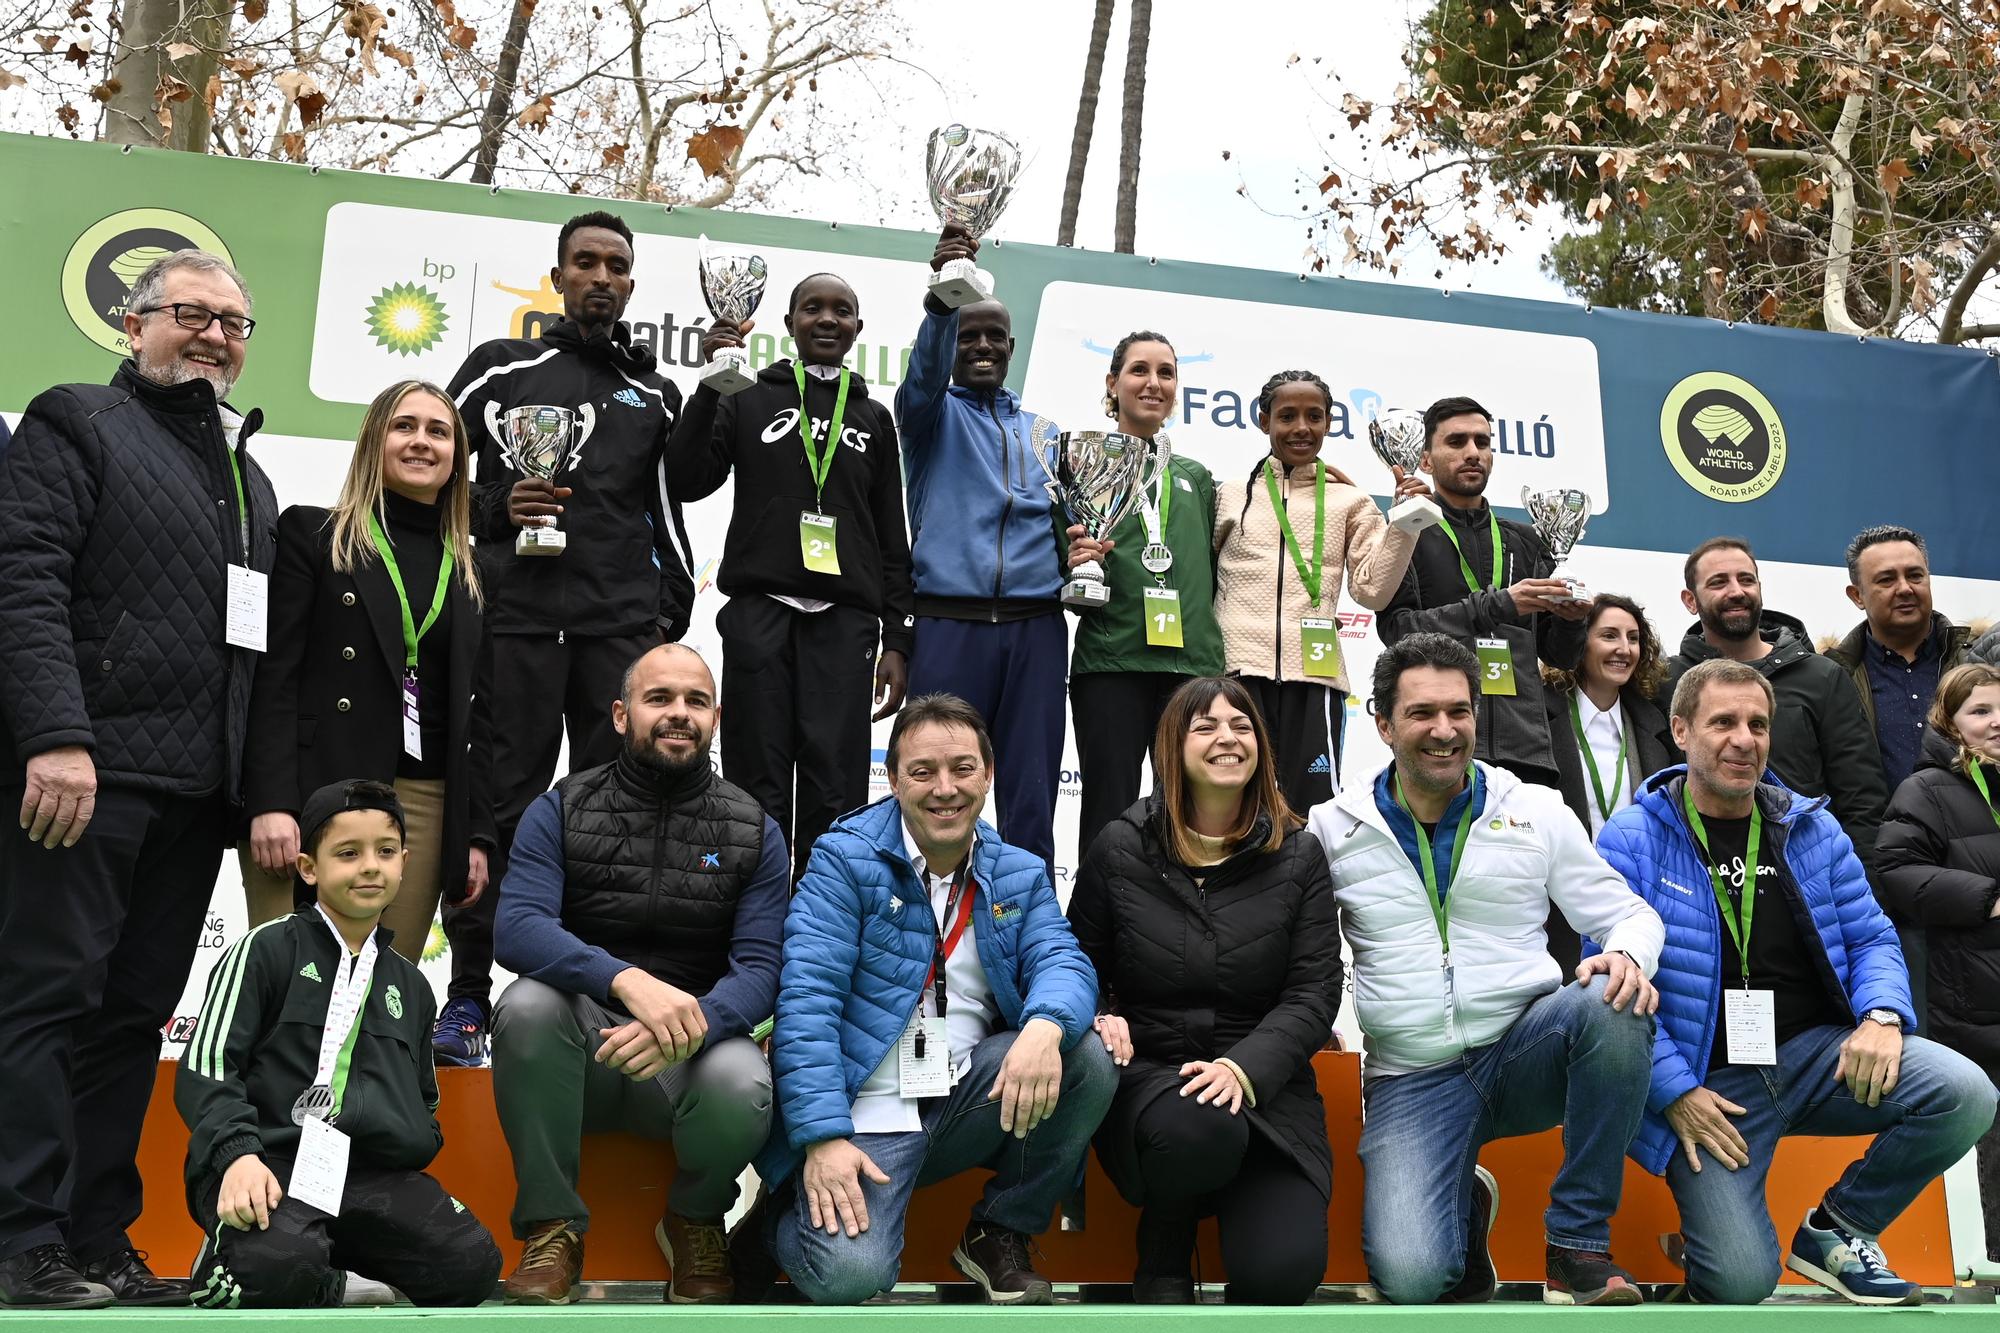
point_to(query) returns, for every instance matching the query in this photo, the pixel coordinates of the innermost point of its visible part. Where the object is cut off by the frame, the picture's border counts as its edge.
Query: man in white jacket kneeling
(1444, 869)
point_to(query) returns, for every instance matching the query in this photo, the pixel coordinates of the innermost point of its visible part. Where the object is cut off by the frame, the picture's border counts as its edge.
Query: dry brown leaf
(69, 116)
(253, 12)
(614, 155)
(171, 89)
(1767, 309)
(364, 23)
(179, 51)
(1892, 175)
(79, 52)
(535, 115)
(241, 66)
(9, 79)
(713, 147)
(399, 55)
(293, 145)
(46, 40)
(212, 93)
(462, 36)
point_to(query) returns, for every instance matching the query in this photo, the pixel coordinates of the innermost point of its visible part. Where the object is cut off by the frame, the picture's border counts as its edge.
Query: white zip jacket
(1419, 1008)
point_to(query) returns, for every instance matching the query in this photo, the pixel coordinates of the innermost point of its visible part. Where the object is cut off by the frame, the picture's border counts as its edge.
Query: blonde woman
(374, 636)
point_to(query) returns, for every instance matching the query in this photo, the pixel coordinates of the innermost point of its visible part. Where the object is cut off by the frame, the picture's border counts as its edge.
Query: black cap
(337, 797)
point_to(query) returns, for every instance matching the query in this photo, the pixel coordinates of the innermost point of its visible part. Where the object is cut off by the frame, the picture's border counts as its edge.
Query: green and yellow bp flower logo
(406, 318)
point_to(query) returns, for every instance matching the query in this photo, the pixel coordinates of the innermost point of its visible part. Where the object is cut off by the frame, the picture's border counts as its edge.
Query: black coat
(1939, 851)
(117, 527)
(1652, 748)
(1821, 741)
(1248, 967)
(1513, 730)
(328, 703)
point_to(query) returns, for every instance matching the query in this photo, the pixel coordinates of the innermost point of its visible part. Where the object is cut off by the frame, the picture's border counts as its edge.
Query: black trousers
(1305, 721)
(98, 941)
(398, 1227)
(1115, 714)
(797, 691)
(539, 685)
(1199, 1160)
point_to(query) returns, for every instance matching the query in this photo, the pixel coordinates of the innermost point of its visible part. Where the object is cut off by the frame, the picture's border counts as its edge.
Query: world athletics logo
(1723, 437)
(406, 318)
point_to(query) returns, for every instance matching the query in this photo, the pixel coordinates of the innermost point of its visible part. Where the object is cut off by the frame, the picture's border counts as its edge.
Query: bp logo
(105, 261)
(393, 998)
(1723, 437)
(406, 318)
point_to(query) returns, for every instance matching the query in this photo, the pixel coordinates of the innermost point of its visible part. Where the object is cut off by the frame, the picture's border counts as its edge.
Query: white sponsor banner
(1541, 388)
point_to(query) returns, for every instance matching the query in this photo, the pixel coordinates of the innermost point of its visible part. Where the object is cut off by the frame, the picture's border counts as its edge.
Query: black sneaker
(997, 1259)
(47, 1278)
(459, 1039)
(1166, 1239)
(132, 1282)
(750, 1257)
(1587, 1277)
(1480, 1280)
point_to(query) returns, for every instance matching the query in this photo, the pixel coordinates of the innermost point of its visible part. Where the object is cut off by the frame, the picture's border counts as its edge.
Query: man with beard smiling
(1485, 581)
(642, 911)
(562, 628)
(136, 535)
(1821, 743)
(1445, 869)
(989, 577)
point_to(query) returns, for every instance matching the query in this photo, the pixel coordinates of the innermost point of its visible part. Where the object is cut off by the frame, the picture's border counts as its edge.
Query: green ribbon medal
(1604, 805)
(1739, 927)
(1472, 584)
(1427, 863)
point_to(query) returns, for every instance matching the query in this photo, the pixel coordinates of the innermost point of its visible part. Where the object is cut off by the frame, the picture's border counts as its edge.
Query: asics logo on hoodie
(787, 423)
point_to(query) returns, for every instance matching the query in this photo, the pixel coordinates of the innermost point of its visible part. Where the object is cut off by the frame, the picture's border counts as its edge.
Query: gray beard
(179, 370)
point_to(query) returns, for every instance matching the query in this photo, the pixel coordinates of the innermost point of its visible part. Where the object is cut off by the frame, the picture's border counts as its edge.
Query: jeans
(1940, 1106)
(961, 1131)
(1569, 1060)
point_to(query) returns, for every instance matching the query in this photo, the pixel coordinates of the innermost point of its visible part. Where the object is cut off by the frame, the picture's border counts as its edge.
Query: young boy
(309, 1094)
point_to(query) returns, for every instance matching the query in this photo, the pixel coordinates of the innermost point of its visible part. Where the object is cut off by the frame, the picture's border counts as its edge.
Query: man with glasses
(137, 536)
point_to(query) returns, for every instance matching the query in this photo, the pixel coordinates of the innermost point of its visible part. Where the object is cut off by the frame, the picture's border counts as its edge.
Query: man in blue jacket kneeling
(1782, 1011)
(934, 1016)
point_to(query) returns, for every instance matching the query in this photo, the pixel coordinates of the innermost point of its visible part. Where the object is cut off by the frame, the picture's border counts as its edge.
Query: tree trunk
(1086, 121)
(506, 71)
(146, 28)
(1128, 134)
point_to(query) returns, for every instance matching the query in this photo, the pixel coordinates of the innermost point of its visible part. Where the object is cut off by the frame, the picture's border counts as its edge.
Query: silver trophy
(1559, 517)
(539, 443)
(1099, 478)
(732, 282)
(1397, 436)
(971, 175)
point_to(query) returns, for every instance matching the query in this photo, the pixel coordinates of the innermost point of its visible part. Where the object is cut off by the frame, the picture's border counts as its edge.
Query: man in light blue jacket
(1783, 1009)
(934, 1016)
(983, 550)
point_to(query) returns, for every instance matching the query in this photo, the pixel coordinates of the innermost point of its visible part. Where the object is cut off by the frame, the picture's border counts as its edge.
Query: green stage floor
(1783, 1316)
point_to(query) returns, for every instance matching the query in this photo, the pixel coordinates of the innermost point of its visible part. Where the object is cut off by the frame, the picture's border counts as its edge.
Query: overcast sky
(1212, 86)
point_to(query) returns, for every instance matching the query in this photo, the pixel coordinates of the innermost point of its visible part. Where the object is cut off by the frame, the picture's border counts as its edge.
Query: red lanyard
(958, 909)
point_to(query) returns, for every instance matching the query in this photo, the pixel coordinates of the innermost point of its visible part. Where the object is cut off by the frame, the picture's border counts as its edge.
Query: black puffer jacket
(1821, 741)
(1939, 854)
(1247, 966)
(639, 879)
(118, 523)
(1513, 730)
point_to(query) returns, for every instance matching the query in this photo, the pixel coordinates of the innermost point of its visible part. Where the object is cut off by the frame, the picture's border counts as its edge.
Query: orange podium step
(625, 1180)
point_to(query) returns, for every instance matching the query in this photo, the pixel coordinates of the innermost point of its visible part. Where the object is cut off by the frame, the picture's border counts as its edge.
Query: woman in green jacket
(1158, 630)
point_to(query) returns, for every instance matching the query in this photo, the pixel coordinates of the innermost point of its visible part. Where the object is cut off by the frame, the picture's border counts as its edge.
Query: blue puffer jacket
(1649, 843)
(979, 510)
(858, 942)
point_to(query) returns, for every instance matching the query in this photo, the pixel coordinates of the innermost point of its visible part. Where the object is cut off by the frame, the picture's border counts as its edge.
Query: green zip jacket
(1112, 637)
(255, 1048)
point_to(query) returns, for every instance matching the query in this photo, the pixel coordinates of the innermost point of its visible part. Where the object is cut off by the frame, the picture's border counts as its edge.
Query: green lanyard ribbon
(1309, 574)
(1604, 805)
(1740, 933)
(1979, 781)
(242, 504)
(1471, 583)
(412, 633)
(1427, 862)
(819, 464)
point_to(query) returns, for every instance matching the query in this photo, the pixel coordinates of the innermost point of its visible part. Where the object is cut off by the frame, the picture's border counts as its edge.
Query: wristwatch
(1888, 1018)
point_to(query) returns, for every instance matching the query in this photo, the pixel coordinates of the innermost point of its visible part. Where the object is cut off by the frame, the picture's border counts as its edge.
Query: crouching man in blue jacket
(934, 1016)
(1782, 1011)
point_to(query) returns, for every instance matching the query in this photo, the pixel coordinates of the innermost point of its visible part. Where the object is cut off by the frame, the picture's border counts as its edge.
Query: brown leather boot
(551, 1266)
(698, 1254)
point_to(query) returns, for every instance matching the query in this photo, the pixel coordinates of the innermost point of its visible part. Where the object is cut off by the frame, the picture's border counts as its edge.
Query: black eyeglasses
(236, 328)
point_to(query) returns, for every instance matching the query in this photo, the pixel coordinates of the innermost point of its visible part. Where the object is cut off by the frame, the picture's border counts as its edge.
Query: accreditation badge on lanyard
(819, 545)
(413, 633)
(247, 611)
(319, 1175)
(923, 1056)
(1161, 605)
(1749, 1017)
(1319, 636)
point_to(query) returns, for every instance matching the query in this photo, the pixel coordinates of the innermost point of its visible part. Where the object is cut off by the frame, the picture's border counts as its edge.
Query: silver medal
(1157, 558)
(315, 1103)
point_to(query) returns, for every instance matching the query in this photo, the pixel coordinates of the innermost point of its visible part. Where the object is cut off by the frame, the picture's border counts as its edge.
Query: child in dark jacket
(310, 1097)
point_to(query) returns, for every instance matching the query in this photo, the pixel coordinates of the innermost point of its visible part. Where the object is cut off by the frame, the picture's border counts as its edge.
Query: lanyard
(1739, 933)
(1427, 863)
(819, 464)
(958, 911)
(1471, 583)
(1154, 515)
(1309, 574)
(242, 504)
(343, 1013)
(412, 633)
(1979, 781)
(1604, 806)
